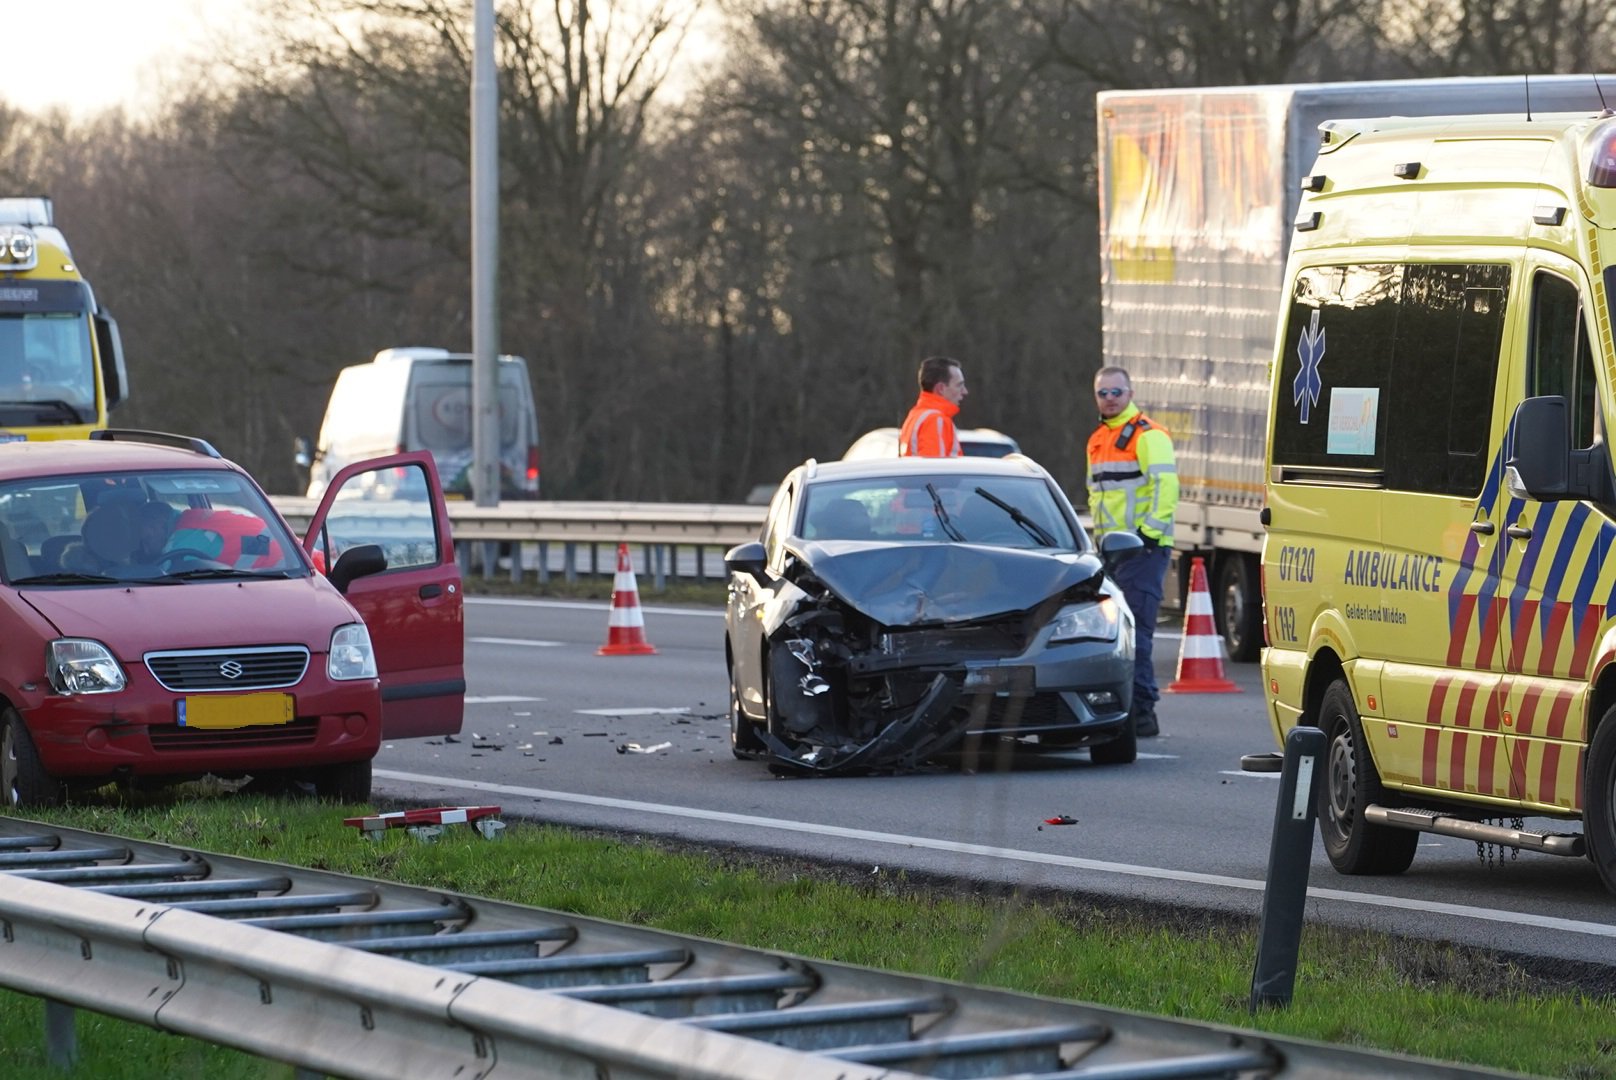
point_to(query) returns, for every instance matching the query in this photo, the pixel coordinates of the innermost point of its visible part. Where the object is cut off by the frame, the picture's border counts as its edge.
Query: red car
(161, 622)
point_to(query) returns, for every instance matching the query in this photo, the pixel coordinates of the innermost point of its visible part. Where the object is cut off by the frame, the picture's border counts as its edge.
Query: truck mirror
(1539, 463)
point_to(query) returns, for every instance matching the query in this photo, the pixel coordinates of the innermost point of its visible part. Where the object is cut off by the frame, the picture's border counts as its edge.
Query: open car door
(413, 608)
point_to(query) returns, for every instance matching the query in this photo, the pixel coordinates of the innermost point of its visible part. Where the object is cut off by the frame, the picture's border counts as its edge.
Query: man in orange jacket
(928, 430)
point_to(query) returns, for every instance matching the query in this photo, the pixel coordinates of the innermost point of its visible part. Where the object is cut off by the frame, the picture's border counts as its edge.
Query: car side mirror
(302, 452)
(357, 562)
(1117, 547)
(748, 558)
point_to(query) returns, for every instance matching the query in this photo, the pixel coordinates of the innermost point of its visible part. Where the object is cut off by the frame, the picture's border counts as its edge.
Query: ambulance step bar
(1432, 822)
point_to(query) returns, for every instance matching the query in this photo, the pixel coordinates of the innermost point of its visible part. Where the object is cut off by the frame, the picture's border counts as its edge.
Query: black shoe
(1144, 723)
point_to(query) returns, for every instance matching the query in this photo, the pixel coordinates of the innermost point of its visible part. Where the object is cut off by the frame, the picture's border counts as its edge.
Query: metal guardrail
(361, 978)
(582, 529)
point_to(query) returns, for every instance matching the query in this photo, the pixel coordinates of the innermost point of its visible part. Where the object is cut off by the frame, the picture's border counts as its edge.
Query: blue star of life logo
(1305, 390)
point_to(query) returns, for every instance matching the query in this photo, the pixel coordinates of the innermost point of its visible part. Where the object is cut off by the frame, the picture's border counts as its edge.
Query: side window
(390, 507)
(1387, 375)
(778, 523)
(1559, 358)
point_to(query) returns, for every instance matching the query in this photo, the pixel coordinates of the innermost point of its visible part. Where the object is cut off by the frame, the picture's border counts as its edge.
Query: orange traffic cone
(625, 634)
(1200, 657)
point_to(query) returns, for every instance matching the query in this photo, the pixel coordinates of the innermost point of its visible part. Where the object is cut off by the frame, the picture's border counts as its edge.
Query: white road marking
(498, 699)
(1253, 775)
(1495, 915)
(631, 712)
(1157, 757)
(514, 641)
(593, 605)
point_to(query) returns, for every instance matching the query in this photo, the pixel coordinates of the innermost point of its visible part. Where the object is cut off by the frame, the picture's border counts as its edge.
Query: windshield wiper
(55, 404)
(1033, 529)
(66, 577)
(942, 515)
(203, 573)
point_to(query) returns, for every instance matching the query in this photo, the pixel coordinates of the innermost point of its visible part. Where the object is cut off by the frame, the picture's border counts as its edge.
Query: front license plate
(236, 710)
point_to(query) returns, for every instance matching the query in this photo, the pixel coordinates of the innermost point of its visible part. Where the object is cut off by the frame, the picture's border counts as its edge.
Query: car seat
(14, 556)
(840, 519)
(51, 550)
(109, 533)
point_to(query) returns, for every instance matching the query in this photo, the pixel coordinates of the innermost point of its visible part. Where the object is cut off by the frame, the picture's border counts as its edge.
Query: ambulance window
(1560, 360)
(1449, 328)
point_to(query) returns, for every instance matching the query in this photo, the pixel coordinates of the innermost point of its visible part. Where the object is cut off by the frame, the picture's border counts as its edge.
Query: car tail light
(532, 466)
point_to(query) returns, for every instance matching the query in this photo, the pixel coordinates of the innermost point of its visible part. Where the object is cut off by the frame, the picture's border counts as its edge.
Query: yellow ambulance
(1439, 589)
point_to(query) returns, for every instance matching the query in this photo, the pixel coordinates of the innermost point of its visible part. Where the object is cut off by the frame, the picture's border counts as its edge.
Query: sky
(89, 55)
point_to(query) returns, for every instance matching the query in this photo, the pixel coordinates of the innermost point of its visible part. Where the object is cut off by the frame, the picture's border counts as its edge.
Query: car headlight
(351, 656)
(1096, 621)
(82, 666)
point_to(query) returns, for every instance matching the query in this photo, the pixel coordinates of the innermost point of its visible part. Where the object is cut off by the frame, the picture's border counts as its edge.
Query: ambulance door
(1553, 603)
(1436, 619)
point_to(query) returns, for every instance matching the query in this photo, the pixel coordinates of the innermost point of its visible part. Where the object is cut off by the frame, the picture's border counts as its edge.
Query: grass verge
(1352, 988)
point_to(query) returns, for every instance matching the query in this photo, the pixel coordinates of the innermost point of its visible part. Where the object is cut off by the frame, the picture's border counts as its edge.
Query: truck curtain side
(1199, 189)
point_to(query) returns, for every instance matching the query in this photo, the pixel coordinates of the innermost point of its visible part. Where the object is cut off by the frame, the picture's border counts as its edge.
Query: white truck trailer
(1199, 189)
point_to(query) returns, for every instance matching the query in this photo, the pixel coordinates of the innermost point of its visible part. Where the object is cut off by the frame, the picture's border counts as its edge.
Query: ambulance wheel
(1239, 606)
(1351, 784)
(23, 779)
(1599, 807)
(743, 737)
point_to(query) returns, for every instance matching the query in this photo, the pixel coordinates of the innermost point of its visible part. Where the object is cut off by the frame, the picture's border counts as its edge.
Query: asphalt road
(640, 743)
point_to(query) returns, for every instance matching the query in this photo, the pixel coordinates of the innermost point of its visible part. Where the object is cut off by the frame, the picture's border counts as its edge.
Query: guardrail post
(569, 561)
(701, 562)
(516, 562)
(1290, 855)
(544, 562)
(61, 1038)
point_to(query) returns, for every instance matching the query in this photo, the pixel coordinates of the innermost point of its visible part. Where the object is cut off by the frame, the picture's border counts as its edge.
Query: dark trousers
(1141, 579)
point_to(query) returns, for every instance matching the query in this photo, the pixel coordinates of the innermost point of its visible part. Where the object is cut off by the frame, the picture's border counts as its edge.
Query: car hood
(133, 620)
(917, 584)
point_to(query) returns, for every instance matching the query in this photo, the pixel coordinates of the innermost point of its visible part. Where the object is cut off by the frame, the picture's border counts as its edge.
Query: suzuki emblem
(231, 669)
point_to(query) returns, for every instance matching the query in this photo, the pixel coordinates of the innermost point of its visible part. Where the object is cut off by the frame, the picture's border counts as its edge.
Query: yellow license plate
(235, 710)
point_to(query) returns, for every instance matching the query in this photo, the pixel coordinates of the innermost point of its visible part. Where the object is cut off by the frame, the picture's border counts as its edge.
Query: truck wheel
(1351, 784)
(1239, 606)
(1599, 799)
(743, 737)
(22, 778)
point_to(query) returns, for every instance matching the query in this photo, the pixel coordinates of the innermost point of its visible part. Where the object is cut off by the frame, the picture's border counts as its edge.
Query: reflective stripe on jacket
(928, 430)
(1132, 487)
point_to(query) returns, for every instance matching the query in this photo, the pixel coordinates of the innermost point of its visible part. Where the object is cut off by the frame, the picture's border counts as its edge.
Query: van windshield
(47, 368)
(159, 527)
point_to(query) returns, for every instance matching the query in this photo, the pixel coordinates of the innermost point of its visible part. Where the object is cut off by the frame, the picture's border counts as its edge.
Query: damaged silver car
(900, 609)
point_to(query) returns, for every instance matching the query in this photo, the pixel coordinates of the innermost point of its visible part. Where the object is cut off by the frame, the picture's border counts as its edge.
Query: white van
(420, 399)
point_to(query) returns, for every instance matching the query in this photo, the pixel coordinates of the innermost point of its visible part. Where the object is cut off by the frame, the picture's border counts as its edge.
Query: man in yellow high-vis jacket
(1133, 487)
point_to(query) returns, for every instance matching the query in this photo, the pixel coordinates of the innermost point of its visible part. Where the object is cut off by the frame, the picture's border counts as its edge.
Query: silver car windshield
(998, 511)
(157, 527)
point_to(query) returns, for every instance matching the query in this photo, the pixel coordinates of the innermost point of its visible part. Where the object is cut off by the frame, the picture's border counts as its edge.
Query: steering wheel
(176, 554)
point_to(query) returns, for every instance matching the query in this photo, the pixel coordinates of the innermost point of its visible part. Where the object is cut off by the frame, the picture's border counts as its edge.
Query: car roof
(51, 457)
(866, 468)
(882, 441)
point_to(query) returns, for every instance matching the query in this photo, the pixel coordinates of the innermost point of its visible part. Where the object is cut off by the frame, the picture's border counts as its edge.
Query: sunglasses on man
(1110, 391)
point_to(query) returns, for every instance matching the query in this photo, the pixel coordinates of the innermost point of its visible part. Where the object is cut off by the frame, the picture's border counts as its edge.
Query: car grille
(176, 739)
(229, 669)
(974, 642)
(1010, 713)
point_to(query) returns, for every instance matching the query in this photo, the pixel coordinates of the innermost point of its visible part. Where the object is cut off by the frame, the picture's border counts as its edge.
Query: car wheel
(347, 782)
(1239, 607)
(22, 778)
(743, 737)
(1351, 784)
(1122, 750)
(1599, 799)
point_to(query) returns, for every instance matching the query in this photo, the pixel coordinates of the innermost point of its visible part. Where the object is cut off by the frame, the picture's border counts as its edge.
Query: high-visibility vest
(1133, 477)
(928, 430)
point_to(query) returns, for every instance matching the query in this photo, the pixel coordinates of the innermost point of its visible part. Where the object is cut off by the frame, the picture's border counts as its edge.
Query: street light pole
(484, 259)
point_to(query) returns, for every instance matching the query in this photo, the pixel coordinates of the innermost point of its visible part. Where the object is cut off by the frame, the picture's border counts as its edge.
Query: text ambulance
(61, 363)
(1438, 574)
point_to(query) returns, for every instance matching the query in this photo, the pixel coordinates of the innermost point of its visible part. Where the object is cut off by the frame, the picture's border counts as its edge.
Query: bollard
(1290, 855)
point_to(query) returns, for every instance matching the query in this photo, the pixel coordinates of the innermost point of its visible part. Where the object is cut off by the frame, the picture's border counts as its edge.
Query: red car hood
(134, 620)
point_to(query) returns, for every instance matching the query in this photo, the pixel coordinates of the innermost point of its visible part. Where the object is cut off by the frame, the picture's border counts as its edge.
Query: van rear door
(414, 608)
